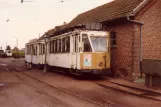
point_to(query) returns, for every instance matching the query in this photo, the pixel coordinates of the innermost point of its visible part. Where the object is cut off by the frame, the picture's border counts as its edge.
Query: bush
(16, 55)
(21, 54)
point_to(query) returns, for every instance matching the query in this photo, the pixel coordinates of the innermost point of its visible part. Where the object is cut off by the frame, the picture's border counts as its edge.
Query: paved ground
(33, 88)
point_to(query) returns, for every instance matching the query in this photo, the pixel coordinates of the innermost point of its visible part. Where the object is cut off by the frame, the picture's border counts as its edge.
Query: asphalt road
(33, 88)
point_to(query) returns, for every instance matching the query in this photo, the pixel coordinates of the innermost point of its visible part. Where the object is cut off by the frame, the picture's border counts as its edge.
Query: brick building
(128, 20)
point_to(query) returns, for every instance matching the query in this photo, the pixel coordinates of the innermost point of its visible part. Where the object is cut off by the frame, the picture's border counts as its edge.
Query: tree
(8, 48)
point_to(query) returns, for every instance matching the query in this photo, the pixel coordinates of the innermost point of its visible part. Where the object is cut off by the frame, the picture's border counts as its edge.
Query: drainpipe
(140, 23)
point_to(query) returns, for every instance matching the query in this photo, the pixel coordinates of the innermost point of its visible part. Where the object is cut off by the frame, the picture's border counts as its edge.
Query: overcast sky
(31, 19)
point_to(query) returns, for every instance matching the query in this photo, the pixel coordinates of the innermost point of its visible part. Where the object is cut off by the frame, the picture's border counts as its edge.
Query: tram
(77, 49)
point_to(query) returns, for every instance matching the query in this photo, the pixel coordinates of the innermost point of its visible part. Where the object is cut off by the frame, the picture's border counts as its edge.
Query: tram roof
(32, 41)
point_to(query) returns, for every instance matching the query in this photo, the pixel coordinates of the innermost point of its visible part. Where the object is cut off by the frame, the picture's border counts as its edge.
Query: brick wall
(122, 54)
(151, 30)
(137, 36)
(127, 52)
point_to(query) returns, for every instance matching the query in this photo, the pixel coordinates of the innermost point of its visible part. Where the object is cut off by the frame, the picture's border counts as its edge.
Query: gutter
(138, 8)
(134, 21)
(134, 12)
(139, 23)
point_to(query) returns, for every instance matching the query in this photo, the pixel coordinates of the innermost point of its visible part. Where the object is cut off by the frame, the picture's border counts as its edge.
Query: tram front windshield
(99, 43)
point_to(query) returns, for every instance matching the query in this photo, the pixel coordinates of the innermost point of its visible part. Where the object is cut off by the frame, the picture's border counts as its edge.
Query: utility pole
(46, 42)
(22, 1)
(17, 42)
(6, 45)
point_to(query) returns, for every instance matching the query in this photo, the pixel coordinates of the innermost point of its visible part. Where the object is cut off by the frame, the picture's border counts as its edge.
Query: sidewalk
(132, 88)
(137, 86)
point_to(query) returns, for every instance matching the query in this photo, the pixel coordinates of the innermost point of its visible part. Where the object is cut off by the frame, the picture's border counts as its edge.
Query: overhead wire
(59, 1)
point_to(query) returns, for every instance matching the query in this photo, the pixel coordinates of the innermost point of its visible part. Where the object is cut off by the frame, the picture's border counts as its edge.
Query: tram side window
(67, 44)
(63, 45)
(57, 46)
(59, 50)
(36, 50)
(75, 44)
(29, 50)
(43, 48)
(26, 51)
(40, 49)
(87, 46)
(33, 50)
(49, 46)
(54, 46)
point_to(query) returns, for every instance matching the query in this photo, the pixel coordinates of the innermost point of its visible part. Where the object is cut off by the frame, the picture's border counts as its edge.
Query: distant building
(1, 50)
(8, 51)
(14, 50)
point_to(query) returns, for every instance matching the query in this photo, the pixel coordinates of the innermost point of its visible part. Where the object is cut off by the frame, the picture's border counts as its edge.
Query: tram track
(63, 90)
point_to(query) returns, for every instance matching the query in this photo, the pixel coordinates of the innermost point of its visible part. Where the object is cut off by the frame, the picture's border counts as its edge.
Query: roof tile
(112, 10)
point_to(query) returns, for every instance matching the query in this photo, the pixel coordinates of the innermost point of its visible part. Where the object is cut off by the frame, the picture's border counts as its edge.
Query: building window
(113, 39)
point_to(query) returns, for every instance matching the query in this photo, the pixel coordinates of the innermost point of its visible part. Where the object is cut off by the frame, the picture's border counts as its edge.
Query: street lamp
(46, 38)
(17, 51)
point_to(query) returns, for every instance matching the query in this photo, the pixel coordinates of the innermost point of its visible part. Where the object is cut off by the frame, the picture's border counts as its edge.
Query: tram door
(74, 52)
(32, 53)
